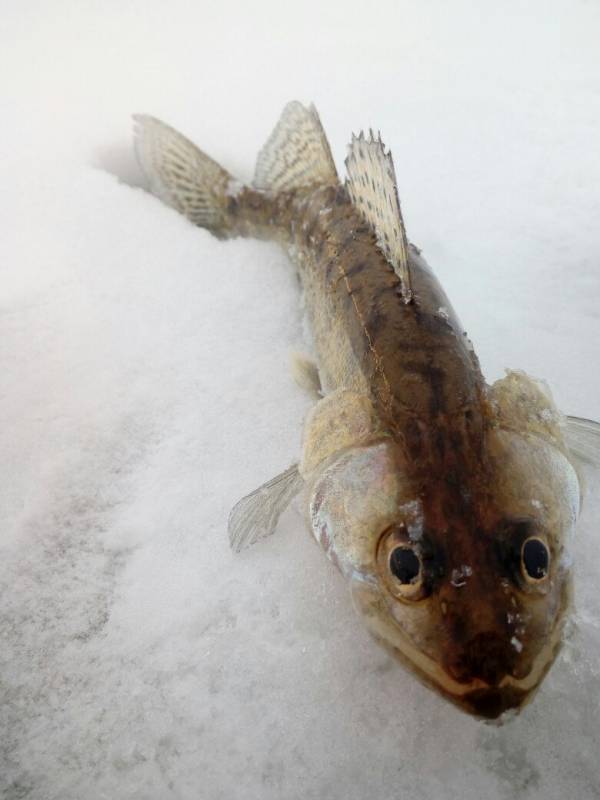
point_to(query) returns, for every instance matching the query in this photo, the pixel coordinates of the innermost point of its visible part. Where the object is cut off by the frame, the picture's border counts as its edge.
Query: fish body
(447, 504)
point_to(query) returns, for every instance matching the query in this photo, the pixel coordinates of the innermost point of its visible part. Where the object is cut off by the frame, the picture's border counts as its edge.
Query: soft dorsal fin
(297, 154)
(372, 187)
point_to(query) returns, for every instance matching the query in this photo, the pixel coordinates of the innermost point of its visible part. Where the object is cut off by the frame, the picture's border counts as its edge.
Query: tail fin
(296, 156)
(182, 175)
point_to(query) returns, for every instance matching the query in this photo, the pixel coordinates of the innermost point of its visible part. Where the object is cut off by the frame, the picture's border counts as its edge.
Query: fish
(448, 505)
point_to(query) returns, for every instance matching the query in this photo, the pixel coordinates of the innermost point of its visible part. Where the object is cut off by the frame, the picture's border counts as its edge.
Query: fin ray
(306, 373)
(372, 187)
(255, 516)
(180, 174)
(583, 439)
(297, 154)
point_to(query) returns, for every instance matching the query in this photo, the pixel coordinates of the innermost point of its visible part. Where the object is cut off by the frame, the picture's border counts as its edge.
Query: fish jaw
(493, 699)
(493, 703)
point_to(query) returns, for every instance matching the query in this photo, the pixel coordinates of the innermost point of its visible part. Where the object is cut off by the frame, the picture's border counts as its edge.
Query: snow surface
(145, 387)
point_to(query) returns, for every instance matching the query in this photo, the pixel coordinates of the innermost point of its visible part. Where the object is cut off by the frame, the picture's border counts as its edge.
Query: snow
(517, 644)
(457, 577)
(145, 388)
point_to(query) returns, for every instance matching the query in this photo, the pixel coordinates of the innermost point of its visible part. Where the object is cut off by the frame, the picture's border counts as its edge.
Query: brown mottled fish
(448, 505)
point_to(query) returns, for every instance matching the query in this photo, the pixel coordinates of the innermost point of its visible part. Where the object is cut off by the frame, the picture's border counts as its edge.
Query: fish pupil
(535, 558)
(404, 564)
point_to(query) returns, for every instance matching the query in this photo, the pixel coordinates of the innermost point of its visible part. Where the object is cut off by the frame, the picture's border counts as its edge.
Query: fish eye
(534, 559)
(401, 566)
(405, 564)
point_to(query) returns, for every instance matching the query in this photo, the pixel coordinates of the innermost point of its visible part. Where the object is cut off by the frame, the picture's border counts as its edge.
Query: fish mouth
(485, 656)
(488, 700)
(477, 697)
(493, 702)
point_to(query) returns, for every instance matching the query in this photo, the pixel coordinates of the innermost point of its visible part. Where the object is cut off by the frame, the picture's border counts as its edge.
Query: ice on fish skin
(447, 504)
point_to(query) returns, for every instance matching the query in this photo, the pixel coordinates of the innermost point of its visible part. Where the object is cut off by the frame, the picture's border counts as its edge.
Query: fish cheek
(423, 623)
(532, 484)
(532, 610)
(410, 632)
(420, 618)
(541, 621)
(536, 499)
(354, 502)
(354, 498)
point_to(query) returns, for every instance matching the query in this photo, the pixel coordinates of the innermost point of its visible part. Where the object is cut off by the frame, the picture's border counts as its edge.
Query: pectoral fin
(255, 516)
(583, 439)
(306, 374)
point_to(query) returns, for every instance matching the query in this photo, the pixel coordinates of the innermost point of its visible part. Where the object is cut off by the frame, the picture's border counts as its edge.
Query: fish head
(507, 583)
(471, 596)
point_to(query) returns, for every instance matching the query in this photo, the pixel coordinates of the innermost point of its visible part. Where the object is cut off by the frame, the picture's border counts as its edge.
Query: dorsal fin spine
(372, 187)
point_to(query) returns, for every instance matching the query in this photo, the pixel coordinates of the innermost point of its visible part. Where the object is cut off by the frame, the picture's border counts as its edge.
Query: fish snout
(492, 703)
(485, 657)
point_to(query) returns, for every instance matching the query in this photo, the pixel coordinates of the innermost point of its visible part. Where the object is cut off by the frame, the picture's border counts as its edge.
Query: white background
(144, 387)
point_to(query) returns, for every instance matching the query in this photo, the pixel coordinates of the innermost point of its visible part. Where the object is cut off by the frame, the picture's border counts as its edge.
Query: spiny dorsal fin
(372, 187)
(297, 154)
(180, 174)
